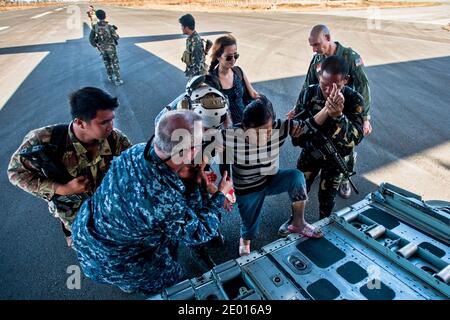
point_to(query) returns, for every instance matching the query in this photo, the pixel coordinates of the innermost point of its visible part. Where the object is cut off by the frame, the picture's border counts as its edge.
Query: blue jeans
(291, 181)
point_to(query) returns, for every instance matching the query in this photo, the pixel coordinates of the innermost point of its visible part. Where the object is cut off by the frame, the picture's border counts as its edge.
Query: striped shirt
(253, 164)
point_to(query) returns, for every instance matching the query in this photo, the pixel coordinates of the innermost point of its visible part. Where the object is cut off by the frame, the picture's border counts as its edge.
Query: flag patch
(318, 67)
(359, 109)
(359, 62)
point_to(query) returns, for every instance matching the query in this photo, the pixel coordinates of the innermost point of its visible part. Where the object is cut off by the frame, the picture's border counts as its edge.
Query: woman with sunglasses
(234, 83)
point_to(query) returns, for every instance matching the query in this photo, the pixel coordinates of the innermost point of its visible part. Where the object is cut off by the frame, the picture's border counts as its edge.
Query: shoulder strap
(239, 72)
(60, 132)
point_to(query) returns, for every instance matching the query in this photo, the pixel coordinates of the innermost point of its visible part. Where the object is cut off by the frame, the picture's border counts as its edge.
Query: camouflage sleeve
(197, 56)
(311, 76)
(361, 83)
(92, 39)
(122, 142)
(300, 105)
(114, 32)
(300, 111)
(22, 174)
(202, 224)
(349, 127)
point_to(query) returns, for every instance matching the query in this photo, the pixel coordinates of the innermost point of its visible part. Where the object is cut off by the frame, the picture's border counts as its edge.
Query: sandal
(244, 249)
(307, 231)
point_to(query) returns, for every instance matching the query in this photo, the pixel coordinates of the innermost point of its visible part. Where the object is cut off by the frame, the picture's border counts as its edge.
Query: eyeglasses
(231, 56)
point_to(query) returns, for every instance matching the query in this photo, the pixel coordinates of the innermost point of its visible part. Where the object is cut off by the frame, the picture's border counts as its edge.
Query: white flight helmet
(206, 101)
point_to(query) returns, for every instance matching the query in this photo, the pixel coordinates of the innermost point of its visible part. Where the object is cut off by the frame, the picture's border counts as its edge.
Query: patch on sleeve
(318, 67)
(359, 109)
(359, 62)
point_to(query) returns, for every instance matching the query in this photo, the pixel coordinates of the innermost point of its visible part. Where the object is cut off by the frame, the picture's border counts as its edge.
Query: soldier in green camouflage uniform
(337, 112)
(194, 55)
(323, 46)
(88, 148)
(104, 37)
(92, 16)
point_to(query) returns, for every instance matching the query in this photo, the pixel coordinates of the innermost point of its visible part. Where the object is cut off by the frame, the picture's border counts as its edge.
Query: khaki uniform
(194, 56)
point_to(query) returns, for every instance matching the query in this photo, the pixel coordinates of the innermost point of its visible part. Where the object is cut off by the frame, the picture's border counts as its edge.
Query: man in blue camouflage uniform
(323, 47)
(333, 110)
(194, 55)
(152, 198)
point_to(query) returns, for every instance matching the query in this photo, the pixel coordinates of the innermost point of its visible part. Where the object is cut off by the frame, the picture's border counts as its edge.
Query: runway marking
(59, 9)
(3, 28)
(15, 70)
(41, 15)
(429, 177)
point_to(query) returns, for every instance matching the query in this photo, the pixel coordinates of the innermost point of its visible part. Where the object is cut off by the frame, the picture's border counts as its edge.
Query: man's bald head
(320, 39)
(318, 30)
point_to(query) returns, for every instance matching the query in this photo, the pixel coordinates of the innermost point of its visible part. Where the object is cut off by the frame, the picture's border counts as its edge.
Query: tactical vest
(187, 55)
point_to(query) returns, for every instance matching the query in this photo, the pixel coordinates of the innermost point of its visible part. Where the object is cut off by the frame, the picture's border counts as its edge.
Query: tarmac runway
(45, 54)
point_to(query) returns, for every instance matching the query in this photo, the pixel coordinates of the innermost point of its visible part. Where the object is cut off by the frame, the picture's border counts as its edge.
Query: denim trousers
(291, 181)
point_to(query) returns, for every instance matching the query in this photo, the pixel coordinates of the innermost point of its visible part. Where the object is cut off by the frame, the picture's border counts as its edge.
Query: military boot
(345, 191)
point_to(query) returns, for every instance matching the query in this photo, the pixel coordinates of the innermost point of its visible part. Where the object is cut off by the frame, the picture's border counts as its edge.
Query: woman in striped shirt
(253, 150)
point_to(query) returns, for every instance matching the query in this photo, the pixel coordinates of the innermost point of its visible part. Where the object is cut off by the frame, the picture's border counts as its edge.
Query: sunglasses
(230, 57)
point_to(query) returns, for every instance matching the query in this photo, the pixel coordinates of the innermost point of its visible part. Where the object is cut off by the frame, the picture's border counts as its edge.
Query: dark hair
(335, 65)
(258, 112)
(85, 102)
(219, 47)
(213, 81)
(100, 14)
(187, 21)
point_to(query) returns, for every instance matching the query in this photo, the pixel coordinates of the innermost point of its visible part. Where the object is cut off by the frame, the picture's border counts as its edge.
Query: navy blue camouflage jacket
(127, 233)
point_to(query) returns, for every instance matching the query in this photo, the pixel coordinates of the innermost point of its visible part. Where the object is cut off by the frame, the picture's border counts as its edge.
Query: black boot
(218, 241)
(201, 257)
